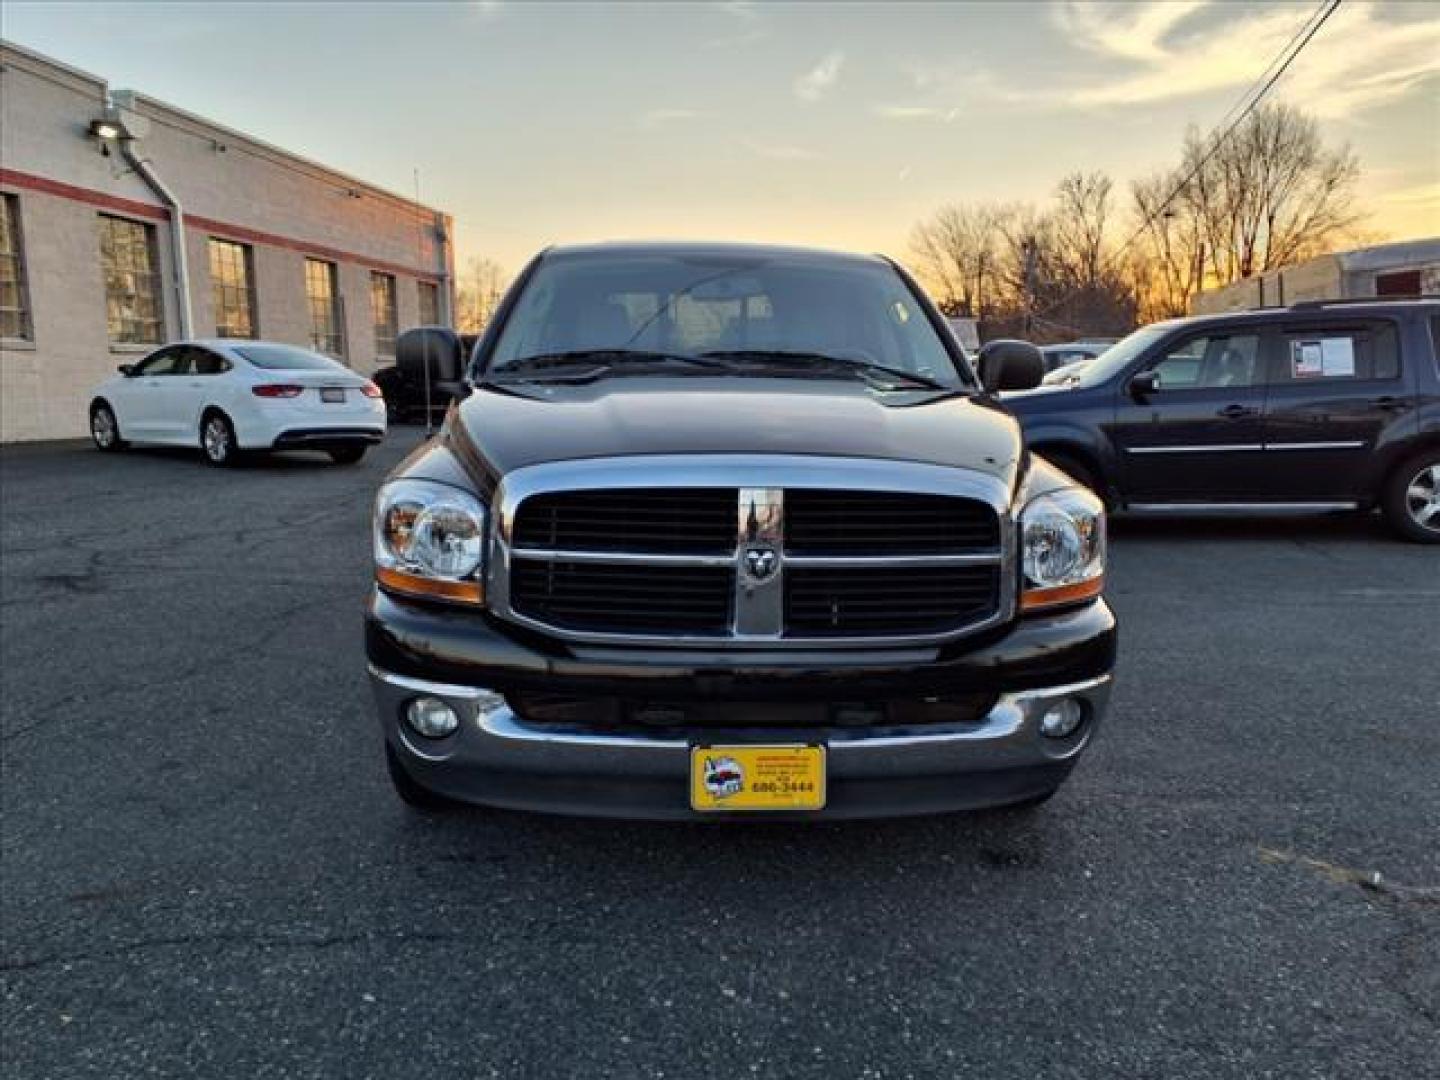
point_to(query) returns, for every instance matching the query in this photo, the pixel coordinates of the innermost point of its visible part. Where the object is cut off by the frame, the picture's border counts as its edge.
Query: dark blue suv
(1318, 406)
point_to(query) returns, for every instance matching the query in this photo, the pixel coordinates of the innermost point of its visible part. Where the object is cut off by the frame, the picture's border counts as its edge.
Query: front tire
(105, 429)
(217, 440)
(1411, 500)
(347, 455)
(411, 791)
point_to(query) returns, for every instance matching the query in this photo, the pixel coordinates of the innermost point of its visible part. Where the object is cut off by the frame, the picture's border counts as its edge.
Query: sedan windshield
(807, 317)
(273, 356)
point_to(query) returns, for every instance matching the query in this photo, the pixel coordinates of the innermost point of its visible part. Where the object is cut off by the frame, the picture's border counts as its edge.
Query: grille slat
(699, 521)
(825, 522)
(838, 603)
(609, 598)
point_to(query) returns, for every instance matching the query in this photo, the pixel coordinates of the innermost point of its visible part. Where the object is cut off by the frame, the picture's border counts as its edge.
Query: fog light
(1062, 719)
(431, 718)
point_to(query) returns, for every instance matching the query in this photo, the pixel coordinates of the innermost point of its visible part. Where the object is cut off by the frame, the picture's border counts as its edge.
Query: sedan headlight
(430, 541)
(1062, 537)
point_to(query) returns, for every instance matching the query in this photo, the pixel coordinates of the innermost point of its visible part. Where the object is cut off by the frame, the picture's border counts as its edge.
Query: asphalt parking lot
(205, 873)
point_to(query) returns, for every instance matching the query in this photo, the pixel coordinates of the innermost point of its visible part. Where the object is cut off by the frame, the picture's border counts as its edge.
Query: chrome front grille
(751, 551)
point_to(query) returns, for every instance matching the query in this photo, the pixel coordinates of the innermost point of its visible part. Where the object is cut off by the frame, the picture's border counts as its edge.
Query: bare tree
(1080, 219)
(479, 288)
(1271, 194)
(956, 252)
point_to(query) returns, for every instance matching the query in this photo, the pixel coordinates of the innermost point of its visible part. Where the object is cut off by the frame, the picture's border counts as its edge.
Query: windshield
(1119, 355)
(275, 357)
(689, 307)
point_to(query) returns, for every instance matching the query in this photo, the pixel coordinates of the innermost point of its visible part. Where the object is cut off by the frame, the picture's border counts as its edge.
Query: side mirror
(1145, 384)
(1009, 364)
(432, 347)
(128, 370)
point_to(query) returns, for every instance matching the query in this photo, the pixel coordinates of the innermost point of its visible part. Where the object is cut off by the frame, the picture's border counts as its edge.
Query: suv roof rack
(1310, 305)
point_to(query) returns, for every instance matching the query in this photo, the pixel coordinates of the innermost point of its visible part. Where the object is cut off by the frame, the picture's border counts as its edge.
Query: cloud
(487, 9)
(1172, 50)
(1421, 195)
(778, 152)
(659, 117)
(821, 79)
(1361, 58)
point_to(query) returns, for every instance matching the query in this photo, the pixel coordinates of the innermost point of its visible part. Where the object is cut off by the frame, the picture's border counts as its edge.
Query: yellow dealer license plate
(757, 777)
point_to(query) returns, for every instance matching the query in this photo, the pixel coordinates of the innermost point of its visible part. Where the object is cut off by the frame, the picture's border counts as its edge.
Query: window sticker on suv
(1328, 357)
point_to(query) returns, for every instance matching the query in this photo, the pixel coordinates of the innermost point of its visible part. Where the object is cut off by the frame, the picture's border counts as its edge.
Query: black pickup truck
(1320, 406)
(734, 531)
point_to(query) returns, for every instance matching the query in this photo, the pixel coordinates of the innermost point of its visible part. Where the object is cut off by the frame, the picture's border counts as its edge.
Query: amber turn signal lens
(1037, 599)
(398, 581)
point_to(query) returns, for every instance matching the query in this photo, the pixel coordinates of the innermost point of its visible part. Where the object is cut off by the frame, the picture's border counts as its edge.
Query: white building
(1408, 268)
(126, 222)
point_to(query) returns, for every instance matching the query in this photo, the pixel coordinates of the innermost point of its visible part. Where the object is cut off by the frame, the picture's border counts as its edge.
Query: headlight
(1062, 538)
(430, 541)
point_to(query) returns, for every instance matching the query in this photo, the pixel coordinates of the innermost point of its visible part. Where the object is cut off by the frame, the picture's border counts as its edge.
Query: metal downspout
(177, 229)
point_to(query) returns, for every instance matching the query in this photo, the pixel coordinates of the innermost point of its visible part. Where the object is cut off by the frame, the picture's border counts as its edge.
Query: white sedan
(227, 396)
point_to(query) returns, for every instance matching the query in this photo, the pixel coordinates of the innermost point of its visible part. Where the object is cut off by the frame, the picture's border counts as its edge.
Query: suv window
(1211, 360)
(1325, 354)
(165, 362)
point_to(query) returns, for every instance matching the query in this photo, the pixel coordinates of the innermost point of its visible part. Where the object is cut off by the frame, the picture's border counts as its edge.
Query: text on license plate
(757, 778)
(332, 393)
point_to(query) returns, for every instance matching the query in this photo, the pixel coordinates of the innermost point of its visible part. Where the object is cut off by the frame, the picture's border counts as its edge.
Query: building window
(132, 281)
(14, 312)
(322, 292)
(382, 308)
(429, 304)
(231, 275)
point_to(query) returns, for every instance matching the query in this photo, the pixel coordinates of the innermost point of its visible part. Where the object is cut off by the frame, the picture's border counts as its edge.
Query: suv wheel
(1412, 498)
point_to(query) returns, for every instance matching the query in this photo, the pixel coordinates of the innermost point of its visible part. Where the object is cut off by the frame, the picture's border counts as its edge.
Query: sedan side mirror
(128, 370)
(1010, 364)
(1145, 384)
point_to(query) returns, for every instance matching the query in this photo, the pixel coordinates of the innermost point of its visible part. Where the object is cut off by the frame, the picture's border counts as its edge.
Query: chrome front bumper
(496, 759)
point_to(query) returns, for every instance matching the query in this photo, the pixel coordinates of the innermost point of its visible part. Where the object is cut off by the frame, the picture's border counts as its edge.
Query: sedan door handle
(1391, 403)
(1237, 412)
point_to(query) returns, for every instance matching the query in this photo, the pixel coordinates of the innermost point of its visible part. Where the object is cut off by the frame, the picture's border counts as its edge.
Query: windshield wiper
(582, 365)
(875, 374)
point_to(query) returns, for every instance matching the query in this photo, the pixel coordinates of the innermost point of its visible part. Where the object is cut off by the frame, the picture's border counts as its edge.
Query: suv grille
(754, 565)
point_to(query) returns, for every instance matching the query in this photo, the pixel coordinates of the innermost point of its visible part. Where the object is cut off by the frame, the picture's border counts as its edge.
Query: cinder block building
(126, 222)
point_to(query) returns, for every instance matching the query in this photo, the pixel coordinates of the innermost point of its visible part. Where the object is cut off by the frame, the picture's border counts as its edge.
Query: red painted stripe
(204, 224)
(85, 195)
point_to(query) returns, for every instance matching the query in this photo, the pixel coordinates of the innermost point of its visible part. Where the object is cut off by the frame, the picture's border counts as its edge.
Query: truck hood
(499, 429)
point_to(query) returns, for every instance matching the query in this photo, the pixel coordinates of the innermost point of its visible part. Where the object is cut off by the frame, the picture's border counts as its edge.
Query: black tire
(347, 455)
(1411, 499)
(217, 440)
(105, 429)
(411, 791)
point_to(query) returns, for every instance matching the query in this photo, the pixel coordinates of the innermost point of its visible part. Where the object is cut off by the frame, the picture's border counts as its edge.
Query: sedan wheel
(217, 439)
(104, 430)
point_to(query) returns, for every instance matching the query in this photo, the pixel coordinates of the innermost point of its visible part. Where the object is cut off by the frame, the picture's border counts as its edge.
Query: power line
(1251, 98)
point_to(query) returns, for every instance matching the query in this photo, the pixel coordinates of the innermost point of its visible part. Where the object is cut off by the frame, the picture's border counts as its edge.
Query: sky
(839, 125)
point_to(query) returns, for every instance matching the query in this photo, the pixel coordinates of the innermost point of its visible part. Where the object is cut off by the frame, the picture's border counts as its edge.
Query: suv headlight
(429, 541)
(1062, 541)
